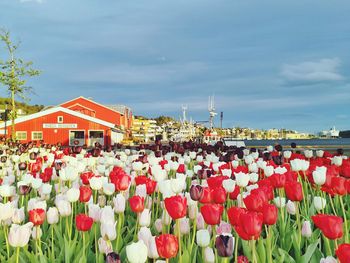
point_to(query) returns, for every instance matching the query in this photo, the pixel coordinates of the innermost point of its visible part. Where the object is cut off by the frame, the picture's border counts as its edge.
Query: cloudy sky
(282, 64)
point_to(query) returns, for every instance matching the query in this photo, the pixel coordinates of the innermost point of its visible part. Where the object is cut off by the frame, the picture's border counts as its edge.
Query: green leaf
(309, 252)
(286, 257)
(261, 250)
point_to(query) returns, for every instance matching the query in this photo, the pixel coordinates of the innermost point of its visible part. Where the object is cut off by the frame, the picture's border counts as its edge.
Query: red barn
(119, 115)
(59, 124)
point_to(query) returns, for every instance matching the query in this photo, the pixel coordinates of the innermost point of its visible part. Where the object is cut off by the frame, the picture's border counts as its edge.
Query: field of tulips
(173, 203)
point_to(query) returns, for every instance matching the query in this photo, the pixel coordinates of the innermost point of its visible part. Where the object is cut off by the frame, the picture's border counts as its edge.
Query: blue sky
(282, 64)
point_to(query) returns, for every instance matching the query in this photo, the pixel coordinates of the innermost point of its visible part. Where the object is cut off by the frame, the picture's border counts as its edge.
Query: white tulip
(119, 203)
(242, 179)
(137, 252)
(108, 188)
(145, 218)
(280, 202)
(253, 177)
(319, 153)
(19, 235)
(52, 216)
(95, 212)
(337, 160)
(108, 230)
(268, 170)
(203, 238)
(287, 154)
(64, 208)
(319, 203)
(319, 175)
(96, 183)
(308, 153)
(229, 185)
(73, 195)
(291, 209)
(18, 215)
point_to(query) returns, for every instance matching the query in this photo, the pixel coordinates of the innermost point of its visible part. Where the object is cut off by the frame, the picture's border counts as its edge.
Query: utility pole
(221, 118)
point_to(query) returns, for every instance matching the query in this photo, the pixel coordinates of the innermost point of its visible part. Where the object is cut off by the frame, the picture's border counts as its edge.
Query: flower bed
(176, 203)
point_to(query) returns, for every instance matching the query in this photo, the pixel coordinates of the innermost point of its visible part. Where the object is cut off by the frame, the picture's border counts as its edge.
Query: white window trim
(58, 117)
(25, 132)
(89, 139)
(42, 135)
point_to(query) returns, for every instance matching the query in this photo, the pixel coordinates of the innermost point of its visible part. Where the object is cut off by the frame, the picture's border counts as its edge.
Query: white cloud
(313, 71)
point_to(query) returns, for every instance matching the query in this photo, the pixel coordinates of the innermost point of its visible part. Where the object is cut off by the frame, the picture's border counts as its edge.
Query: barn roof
(57, 109)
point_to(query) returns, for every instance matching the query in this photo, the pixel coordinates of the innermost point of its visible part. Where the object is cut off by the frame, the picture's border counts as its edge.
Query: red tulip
(176, 206)
(254, 202)
(278, 180)
(234, 213)
(250, 225)
(330, 225)
(242, 259)
(83, 222)
(294, 190)
(151, 186)
(212, 213)
(120, 179)
(86, 176)
(270, 214)
(219, 195)
(343, 253)
(46, 175)
(338, 185)
(85, 193)
(137, 203)
(167, 245)
(37, 216)
(207, 196)
(235, 193)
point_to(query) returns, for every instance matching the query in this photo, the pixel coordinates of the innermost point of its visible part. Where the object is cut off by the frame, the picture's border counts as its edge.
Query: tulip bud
(19, 235)
(328, 259)
(242, 179)
(73, 195)
(223, 228)
(224, 245)
(337, 160)
(166, 219)
(184, 226)
(203, 238)
(136, 252)
(24, 189)
(144, 234)
(291, 209)
(94, 212)
(196, 192)
(229, 185)
(319, 153)
(193, 211)
(209, 256)
(319, 175)
(280, 202)
(159, 225)
(306, 230)
(119, 203)
(319, 203)
(145, 217)
(200, 221)
(152, 248)
(104, 246)
(287, 154)
(52, 215)
(18, 216)
(113, 258)
(37, 233)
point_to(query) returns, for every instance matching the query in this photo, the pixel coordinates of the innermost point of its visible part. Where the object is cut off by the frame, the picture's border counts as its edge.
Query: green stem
(136, 226)
(84, 246)
(96, 248)
(253, 251)
(345, 220)
(7, 242)
(194, 231)
(52, 242)
(179, 238)
(17, 254)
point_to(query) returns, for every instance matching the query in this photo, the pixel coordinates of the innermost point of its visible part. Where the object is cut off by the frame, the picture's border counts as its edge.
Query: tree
(12, 75)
